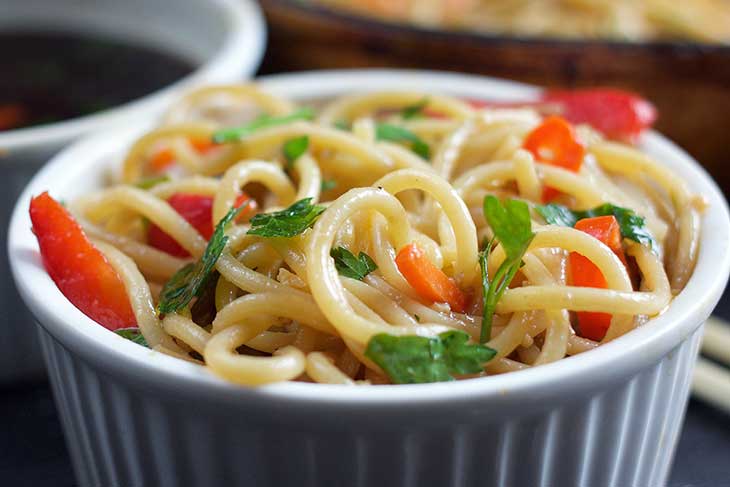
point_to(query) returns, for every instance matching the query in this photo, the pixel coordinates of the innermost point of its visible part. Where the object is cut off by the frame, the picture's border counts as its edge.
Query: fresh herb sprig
(327, 184)
(414, 359)
(415, 110)
(288, 222)
(512, 227)
(149, 183)
(265, 121)
(396, 133)
(632, 225)
(190, 280)
(350, 266)
(133, 335)
(294, 148)
(342, 125)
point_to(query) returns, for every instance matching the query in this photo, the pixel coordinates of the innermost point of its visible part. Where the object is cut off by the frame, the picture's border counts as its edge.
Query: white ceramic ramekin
(134, 417)
(224, 39)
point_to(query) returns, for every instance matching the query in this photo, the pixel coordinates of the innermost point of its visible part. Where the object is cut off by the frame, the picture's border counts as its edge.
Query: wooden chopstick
(716, 342)
(711, 382)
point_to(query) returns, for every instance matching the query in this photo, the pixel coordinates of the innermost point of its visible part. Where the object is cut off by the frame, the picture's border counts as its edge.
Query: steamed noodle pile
(699, 20)
(282, 312)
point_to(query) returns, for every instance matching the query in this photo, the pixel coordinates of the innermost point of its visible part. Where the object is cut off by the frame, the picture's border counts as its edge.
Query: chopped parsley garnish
(395, 133)
(415, 110)
(342, 125)
(350, 266)
(512, 227)
(632, 225)
(265, 121)
(327, 184)
(414, 359)
(190, 281)
(149, 183)
(133, 335)
(294, 148)
(288, 222)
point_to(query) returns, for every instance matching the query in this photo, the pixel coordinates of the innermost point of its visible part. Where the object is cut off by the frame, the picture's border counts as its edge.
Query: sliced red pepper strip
(78, 268)
(618, 114)
(554, 142)
(427, 280)
(196, 209)
(164, 157)
(584, 273)
(247, 212)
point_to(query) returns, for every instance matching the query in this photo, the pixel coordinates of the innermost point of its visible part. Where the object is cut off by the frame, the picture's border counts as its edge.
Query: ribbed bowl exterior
(122, 435)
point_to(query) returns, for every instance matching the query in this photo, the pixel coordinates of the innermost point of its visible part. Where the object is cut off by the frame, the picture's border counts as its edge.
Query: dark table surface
(33, 453)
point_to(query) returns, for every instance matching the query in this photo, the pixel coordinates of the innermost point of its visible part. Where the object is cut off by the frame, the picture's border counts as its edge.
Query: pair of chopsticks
(711, 382)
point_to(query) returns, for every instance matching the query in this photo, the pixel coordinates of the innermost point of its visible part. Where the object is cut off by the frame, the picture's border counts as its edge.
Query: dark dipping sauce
(46, 77)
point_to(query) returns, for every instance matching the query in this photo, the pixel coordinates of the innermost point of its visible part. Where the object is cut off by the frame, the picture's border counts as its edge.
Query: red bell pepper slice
(554, 142)
(427, 280)
(78, 268)
(249, 211)
(198, 211)
(584, 273)
(617, 114)
(195, 209)
(164, 157)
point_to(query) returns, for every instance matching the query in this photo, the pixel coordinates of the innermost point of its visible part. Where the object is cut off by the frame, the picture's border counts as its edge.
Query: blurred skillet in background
(687, 81)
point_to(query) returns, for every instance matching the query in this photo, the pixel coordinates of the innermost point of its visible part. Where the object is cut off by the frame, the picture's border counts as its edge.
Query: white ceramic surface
(134, 417)
(224, 39)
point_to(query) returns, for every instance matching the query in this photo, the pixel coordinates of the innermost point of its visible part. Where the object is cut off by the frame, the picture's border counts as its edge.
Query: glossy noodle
(279, 308)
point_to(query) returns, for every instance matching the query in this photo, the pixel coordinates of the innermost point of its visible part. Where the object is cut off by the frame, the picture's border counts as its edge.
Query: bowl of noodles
(364, 277)
(677, 54)
(68, 74)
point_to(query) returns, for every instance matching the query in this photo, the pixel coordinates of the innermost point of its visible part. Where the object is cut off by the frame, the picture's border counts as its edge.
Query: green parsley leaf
(132, 334)
(512, 226)
(557, 215)
(327, 184)
(190, 281)
(632, 225)
(265, 121)
(342, 125)
(203, 311)
(415, 110)
(394, 133)
(149, 183)
(414, 359)
(288, 222)
(350, 266)
(294, 148)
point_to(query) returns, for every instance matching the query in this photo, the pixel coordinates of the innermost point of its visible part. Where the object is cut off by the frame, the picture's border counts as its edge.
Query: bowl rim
(238, 56)
(377, 25)
(620, 358)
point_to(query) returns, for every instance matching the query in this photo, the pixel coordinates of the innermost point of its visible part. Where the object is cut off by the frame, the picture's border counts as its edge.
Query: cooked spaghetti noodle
(278, 309)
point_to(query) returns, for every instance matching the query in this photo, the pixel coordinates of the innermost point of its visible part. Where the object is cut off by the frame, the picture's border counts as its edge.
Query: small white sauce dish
(224, 40)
